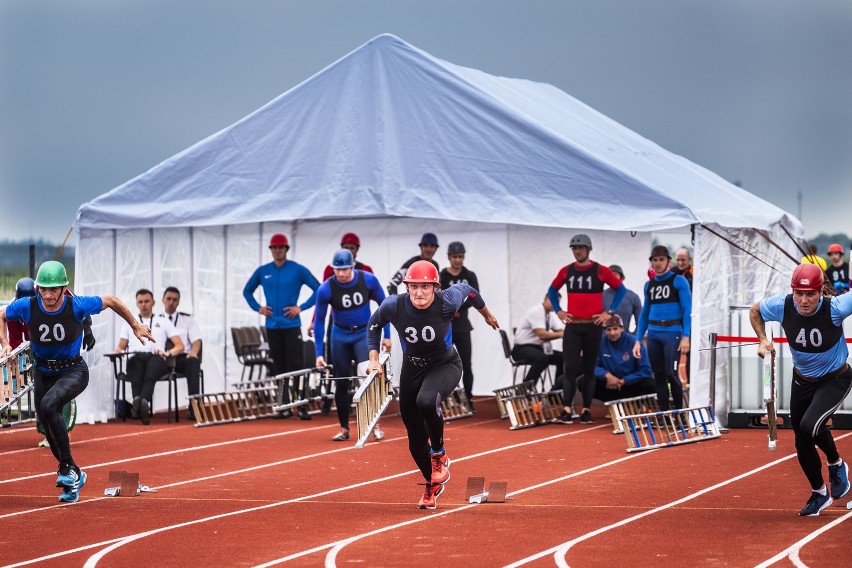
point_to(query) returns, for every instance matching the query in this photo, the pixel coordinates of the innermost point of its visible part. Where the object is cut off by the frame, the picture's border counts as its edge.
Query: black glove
(88, 336)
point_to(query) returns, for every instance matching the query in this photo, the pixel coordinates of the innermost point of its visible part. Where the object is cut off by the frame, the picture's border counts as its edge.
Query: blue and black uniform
(462, 326)
(431, 367)
(59, 374)
(351, 313)
(667, 317)
(821, 376)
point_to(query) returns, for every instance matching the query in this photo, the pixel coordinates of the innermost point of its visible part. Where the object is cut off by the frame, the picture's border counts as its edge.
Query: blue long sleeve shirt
(617, 358)
(681, 310)
(281, 287)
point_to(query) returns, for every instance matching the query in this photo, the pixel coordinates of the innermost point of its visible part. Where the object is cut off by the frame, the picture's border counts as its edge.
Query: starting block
(476, 492)
(124, 484)
(669, 428)
(630, 407)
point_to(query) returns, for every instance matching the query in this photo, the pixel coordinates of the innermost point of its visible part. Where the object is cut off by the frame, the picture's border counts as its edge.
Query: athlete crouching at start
(431, 367)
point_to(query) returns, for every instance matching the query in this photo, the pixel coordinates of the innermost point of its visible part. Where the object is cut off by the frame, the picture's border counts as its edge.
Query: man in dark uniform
(838, 271)
(457, 273)
(813, 324)
(59, 372)
(428, 247)
(431, 367)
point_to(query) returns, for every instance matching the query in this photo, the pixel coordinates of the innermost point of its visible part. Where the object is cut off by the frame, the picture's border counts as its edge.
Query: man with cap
(282, 281)
(631, 304)
(59, 372)
(455, 273)
(584, 282)
(838, 270)
(666, 317)
(428, 247)
(349, 292)
(619, 374)
(822, 379)
(352, 243)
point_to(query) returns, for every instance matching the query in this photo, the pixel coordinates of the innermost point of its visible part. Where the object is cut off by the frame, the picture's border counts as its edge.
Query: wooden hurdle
(630, 407)
(371, 399)
(17, 386)
(456, 406)
(669, 428)
(533, 409)
(502, 394)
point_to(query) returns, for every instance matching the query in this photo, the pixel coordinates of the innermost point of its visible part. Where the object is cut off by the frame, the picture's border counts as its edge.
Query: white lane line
(793, 550)
(16, 430)
(58, 554)
(559, 552)
(94, 559)
(89, 441)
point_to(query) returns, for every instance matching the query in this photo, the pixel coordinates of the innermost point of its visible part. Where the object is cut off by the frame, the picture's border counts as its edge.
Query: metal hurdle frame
(302, 380)
(521, 389)
(17, 384)
(533, 409)
(620, 408)
(669, 428)
(371, 399)
(456, 406)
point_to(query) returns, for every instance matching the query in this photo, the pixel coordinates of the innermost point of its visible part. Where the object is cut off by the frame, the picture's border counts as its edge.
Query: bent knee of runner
(429, 402)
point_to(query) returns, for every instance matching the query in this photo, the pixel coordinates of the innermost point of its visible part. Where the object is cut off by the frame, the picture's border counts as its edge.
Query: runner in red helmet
(822, 379)
(837, 272)
(431, 367)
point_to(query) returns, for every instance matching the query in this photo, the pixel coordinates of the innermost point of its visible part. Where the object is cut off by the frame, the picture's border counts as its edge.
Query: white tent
(390, 142)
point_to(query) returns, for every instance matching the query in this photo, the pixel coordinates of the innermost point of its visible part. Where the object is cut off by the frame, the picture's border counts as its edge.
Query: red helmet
(807, 277)
(422, 272)
(835, 248)
(350, 239)
(279, 240)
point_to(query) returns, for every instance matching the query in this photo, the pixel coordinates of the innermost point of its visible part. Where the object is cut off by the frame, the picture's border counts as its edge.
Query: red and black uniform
(584, 286)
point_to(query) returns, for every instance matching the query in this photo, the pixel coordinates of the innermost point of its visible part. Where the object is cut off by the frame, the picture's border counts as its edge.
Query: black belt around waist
(350, 327)
(665, 323)
(59, 364)
(427, 361)
(831, 375)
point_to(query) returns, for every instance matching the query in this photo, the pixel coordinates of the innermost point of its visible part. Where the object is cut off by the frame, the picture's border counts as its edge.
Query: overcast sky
(93, 93)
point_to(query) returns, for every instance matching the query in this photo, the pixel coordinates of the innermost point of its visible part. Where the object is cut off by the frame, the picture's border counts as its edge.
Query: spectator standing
(458, 273)
(189, 361)
(666, 317)
(533, 339)
(838, 271)
(282, 280)
(822, 378)
(59, 372)
(631, 305)
(348, 292)
(148, 363)
(431, 367)
(683, 265)
(619, 374)
(584, 282)
(428, 247)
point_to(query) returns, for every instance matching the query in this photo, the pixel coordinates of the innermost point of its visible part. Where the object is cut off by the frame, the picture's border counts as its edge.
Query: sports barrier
(372, 398)
(17, 386)
(669, 428)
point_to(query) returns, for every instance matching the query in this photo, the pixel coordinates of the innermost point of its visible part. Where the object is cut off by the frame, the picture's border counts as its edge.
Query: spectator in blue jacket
(282, 281)
(619, 374)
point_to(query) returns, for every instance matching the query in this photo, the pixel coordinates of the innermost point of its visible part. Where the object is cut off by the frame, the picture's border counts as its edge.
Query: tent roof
(389, 130)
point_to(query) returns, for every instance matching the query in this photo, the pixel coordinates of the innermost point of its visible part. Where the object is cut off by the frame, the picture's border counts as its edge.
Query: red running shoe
(440, 468)
(430, 496)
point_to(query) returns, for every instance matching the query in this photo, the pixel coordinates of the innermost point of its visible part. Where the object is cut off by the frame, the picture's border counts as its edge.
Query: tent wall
(210, 265)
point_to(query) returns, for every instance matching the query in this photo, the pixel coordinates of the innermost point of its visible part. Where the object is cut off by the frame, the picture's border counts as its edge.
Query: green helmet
(51, 274)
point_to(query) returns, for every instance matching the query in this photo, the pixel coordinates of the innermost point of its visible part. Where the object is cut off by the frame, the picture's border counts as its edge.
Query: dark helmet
(455, 247)
(429, 239)
(660, 250)
(343, 259)
(581, 240)
(24, 288)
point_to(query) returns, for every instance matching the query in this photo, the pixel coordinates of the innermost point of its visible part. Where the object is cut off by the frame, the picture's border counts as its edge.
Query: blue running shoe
(838, 475)
(68, 480)
(816, 504)
(72, 495)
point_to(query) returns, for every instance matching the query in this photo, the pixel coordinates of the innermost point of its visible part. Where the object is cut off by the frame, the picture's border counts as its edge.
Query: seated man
(148, 364)
(532, 340)
(619, 374)
(188, 362)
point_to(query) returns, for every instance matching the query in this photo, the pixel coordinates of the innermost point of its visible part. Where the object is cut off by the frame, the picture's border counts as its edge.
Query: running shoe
(839, 478)
(70, 479)
(440, 468)
(341, 436)
(586, 417)
(430, 496)
(72, 495)
(815, 504)
(145, 411)
(565, 418)
(303, 413)
(378, 433)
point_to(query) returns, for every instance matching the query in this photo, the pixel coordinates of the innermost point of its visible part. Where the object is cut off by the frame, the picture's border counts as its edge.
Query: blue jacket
(281, 287)
(617, 358)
